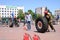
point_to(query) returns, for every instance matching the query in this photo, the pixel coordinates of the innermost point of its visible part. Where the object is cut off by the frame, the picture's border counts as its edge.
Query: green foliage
(39, 15)
(53, 16)
(34, 16)
(20, 11)
(32, 13)
(4, 18)
(21, 15)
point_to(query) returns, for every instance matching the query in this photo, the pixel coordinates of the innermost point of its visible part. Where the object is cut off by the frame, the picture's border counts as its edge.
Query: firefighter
(49, 19)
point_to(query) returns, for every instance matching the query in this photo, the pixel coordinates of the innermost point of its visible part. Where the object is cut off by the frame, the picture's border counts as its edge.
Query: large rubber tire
(44, 27)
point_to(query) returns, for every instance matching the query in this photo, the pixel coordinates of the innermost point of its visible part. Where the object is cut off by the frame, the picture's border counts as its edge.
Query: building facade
(40, 10)
(6, 11)
(57, 12)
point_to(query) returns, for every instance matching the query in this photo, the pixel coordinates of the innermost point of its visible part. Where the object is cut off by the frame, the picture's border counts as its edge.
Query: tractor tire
(41, 24)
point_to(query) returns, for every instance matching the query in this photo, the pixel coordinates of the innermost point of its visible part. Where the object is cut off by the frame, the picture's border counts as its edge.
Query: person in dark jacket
(48, 17)
(57, 19)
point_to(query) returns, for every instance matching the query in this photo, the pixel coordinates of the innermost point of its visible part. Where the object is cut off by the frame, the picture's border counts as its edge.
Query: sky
(52, 5)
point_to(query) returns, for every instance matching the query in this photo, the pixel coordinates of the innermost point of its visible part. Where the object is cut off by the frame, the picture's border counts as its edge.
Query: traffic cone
(26, 36)
(36, 37)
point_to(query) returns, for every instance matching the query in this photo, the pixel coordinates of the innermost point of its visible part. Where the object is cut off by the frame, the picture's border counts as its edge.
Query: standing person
(48, 17)
(7, 21)
(57, 19)
(29, 18)
(12, 21)
(18, 21)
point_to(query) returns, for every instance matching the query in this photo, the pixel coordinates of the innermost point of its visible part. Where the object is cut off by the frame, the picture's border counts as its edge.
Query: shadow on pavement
(40, 32)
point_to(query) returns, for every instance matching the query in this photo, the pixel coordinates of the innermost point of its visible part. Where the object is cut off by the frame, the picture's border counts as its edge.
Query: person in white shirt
(29, 18)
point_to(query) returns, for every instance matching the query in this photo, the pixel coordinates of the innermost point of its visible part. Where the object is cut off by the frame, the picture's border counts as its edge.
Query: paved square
(16, 33)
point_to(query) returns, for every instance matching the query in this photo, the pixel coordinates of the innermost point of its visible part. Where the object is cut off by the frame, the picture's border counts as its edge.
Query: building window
(15, 14)
(5, 8)
(2, 8)
(2, 13)
(5, 11)
(10, 11)
(15, 9)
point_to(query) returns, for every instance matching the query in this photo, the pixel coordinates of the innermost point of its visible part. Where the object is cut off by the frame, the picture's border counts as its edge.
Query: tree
(39, 15)
(20, 14)
(34, 16)
(32, 13)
